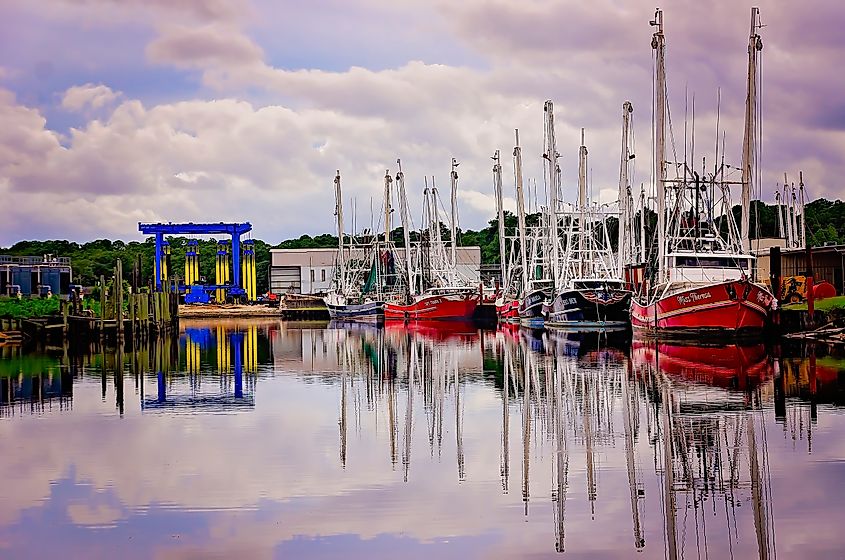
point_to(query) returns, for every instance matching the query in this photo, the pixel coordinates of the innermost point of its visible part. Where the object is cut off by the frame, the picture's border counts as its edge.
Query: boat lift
(235, 230)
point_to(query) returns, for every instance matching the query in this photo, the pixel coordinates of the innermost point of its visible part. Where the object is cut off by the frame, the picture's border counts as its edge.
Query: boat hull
(507, 311)
(531, 309)
(459, 306)
(369, 312)
(591, 309)
(731, 308)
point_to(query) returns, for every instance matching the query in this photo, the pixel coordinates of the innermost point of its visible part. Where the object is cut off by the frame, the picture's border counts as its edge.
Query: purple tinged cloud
(261, 142)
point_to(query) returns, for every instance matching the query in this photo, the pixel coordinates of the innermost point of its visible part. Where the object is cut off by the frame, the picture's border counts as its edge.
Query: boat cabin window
(713, 262)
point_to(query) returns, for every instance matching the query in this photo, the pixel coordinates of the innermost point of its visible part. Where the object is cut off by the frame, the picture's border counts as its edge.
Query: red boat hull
(508, 311)
(729, 308)
(441, 307)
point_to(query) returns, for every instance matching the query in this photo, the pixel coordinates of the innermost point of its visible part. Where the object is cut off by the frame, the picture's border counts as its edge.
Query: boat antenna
(718, 117)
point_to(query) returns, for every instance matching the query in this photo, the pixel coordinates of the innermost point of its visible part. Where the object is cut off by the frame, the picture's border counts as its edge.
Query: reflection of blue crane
(236, 230)
(235, 400)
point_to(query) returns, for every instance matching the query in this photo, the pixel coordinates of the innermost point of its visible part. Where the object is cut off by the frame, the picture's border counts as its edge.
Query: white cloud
(88, 96)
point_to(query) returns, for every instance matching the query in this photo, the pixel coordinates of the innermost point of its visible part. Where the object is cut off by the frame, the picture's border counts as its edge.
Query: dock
(227, 311)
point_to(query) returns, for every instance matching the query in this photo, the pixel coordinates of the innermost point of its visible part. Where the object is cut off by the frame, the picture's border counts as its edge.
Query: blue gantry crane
(235, 230)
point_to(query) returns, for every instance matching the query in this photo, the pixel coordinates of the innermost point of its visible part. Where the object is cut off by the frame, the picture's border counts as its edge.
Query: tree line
(825, 224)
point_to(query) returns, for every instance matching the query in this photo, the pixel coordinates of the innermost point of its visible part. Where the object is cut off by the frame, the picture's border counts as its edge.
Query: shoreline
(211, 311)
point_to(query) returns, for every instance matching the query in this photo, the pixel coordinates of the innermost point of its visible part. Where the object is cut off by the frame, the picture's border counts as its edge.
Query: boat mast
(551, 157)
(755, 45)
(642, 223)
(625, 242)
(403, 209)
(781, 231)
(802, 231)
(387, 209)
(426, 240)
(497, 180)
(338, 211)
(584, 240)
(658, 43)
(793, 220)
(435, 215)
(454, 201)
(520, 209)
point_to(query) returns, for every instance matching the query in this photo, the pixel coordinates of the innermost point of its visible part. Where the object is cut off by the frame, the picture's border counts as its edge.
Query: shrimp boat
(537, 255)
(590, 292)
(507, 297)
(703, 283)
(539, 284)
(526, 284)
(366, 272)
(435, 288)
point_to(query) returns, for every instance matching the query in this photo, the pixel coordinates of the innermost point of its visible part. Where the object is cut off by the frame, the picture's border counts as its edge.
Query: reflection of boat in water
(728, 366)
(435, 330)
(533, 338)
(361, 326)
(578, 343)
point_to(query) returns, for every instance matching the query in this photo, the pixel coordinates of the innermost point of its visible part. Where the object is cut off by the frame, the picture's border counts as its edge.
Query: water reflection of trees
(205, 366)
(36, 383)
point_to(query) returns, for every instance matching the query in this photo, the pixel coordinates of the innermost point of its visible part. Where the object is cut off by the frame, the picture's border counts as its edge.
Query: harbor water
(262, 439)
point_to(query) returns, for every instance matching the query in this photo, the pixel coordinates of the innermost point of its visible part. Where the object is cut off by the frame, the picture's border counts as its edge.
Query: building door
(284, 279)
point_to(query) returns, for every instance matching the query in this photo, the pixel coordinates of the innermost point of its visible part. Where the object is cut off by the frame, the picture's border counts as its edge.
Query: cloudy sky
(115, 112)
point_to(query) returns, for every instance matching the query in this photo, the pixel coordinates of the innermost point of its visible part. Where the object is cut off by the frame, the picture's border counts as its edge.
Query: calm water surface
(271, 440)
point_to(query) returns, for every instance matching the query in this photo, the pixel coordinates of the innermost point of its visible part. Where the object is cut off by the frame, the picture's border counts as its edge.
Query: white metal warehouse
(309, 271)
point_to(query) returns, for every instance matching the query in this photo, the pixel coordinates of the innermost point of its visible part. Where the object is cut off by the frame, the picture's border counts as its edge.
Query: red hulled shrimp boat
(703, 282)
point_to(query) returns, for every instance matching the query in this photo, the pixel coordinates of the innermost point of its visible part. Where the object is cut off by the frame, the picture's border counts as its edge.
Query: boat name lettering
(693, 297)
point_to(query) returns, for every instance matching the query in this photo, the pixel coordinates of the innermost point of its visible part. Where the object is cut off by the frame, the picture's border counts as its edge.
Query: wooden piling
(811, 307)
(774, 278)
(65, 305)
(118, 298)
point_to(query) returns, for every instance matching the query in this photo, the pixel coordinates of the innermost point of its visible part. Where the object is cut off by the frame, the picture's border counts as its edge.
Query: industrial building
(309, 271)
(31, 275)
(828, 264)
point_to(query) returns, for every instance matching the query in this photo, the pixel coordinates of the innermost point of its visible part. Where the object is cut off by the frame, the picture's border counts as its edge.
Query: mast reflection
(707, 407)
(693, 416)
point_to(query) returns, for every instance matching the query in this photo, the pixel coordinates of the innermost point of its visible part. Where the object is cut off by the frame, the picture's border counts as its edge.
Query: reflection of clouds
(251, 481)
(95, 515)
